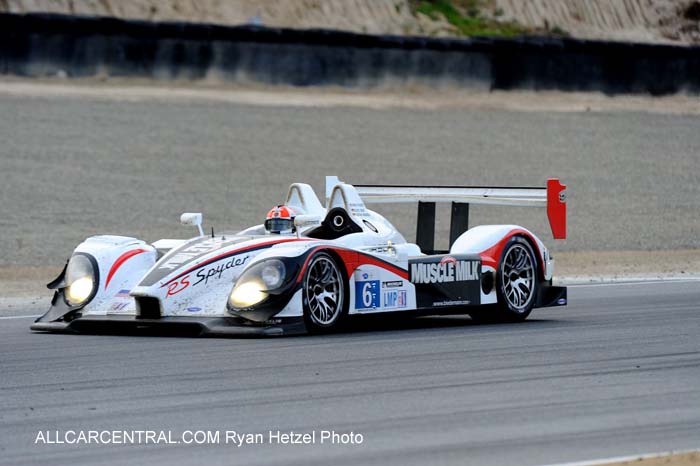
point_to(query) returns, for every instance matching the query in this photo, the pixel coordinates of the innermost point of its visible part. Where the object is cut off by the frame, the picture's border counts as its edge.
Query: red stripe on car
(352, 260)
(365, 259)
(120, 261)
(492, 255)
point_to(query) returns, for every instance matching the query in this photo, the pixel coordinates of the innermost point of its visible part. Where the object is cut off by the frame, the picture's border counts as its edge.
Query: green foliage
(557, 31)
(466, 16)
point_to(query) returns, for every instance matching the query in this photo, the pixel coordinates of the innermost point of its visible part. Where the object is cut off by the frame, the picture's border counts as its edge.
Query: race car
(310, 267)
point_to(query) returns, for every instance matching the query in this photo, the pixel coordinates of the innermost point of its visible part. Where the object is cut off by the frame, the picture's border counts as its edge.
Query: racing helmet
(280, 220)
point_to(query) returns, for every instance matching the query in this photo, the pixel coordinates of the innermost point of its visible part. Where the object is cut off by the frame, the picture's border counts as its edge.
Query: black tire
(517, 281)
(324, 294)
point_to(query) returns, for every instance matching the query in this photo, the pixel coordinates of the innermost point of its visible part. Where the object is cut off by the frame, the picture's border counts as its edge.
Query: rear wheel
(516, 280)
(324, 294)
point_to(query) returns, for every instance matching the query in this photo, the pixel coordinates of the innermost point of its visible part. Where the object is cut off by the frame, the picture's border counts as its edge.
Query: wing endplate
(556, 208)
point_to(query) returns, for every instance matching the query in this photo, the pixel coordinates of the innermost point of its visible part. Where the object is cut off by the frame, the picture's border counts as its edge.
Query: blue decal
(122, 294)
(395, 299)
(194, 309)
(367, 294)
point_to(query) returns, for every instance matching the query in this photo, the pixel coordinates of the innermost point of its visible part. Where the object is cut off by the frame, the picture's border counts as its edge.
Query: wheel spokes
(517, 277)
(324, 291)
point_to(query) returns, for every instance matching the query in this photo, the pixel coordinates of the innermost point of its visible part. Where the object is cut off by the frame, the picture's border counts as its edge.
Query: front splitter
(174, 325)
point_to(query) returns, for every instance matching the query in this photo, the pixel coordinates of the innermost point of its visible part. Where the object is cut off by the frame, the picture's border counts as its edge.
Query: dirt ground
(591, 266)
(57, 108)
(633, 20)
(415, 97)
(680, 459)
(627, 20)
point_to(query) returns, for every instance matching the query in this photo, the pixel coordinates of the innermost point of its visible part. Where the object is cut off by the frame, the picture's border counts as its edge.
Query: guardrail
(44, 45)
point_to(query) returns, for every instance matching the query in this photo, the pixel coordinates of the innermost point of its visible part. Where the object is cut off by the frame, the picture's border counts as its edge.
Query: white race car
(333, 262)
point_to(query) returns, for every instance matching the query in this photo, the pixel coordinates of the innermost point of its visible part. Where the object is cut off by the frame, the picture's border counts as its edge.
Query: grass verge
(468, 18)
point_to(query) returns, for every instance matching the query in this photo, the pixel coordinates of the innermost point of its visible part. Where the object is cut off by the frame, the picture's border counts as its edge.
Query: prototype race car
(311, 274)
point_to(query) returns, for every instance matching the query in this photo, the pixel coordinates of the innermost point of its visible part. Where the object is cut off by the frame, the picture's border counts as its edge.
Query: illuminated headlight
(254, 285)
(246, 294)
(80, 277)
(80, 290)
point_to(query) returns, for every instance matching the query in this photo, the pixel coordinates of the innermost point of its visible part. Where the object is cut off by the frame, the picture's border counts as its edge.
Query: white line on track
(620, 459)
(17, 317)
(626, 281)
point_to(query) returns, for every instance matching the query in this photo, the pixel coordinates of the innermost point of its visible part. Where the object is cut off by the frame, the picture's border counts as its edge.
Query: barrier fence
(38, 45)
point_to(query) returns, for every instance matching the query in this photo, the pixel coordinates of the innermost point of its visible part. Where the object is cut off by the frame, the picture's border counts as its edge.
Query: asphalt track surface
(72, 167)
(617, 372)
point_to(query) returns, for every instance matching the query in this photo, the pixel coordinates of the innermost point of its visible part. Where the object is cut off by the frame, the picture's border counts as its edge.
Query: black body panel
(446, 280)
(175, 326)
(550, 296)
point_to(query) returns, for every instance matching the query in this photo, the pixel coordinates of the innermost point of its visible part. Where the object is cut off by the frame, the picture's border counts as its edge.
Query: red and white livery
(331, 261)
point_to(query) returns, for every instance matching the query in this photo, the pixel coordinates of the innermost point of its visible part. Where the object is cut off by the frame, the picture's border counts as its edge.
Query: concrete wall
(46, 45)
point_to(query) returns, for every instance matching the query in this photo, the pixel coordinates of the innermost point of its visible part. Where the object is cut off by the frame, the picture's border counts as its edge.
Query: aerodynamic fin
(553, 197)
(556, 208)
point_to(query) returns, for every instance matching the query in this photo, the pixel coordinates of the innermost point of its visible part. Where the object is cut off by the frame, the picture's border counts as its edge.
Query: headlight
(255, 284)
(80, 290)
(81, 278)
(273, 274)
(247, 294)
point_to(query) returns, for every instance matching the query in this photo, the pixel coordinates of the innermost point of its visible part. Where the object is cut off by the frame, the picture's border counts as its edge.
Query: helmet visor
(277, 225)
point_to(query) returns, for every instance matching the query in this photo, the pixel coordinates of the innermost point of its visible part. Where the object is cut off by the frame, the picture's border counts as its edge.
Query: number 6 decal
(367, 294)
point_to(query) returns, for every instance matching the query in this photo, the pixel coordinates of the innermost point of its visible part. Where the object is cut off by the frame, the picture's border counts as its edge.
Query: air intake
(147, 308)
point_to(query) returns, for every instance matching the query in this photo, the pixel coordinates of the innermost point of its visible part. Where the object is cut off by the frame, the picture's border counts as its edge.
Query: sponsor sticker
(122, 294)
(357, 209)
(392, 284)
(178, 285)
(204, 275)
(119, 306)
(449, 280)
(448, 270)
(462, 302)
(395, 299)
(367, 294)
(365, 274)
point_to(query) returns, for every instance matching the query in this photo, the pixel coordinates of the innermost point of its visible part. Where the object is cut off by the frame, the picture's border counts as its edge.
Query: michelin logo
(448, 270)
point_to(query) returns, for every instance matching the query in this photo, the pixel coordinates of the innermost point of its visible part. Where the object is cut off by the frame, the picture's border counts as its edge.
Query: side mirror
(303, 221)
(193, 218)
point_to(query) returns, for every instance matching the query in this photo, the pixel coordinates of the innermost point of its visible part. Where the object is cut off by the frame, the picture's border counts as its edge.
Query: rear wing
(552, 197)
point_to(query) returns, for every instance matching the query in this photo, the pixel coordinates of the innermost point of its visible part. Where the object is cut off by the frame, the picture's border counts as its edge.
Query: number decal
(367, 294)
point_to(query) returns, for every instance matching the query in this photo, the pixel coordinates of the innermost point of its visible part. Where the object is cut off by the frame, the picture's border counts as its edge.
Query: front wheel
(324, 294)
(516, 280)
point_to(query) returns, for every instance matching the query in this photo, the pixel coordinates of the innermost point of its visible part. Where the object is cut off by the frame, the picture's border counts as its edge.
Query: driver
(280, 220)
